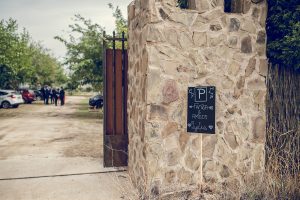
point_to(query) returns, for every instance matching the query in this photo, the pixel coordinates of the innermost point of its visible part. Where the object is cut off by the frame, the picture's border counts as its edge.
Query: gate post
(171, 49)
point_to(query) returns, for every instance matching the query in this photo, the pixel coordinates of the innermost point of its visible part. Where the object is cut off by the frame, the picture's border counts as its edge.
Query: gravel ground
(49, 152)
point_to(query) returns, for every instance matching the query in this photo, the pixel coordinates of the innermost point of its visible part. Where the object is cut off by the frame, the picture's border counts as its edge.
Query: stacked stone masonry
(171, 49)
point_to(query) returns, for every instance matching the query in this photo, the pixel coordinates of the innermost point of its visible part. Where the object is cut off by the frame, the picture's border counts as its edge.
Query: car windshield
(17, 93)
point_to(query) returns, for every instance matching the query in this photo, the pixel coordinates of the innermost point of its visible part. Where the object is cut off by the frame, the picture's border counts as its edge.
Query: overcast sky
(45, 19)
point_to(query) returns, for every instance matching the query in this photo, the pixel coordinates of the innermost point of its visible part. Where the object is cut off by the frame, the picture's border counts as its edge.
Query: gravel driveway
(49, 152)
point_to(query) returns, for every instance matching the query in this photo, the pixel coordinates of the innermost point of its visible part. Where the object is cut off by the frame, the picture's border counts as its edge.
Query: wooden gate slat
(115, 104)
(119, 96)
(109, 111)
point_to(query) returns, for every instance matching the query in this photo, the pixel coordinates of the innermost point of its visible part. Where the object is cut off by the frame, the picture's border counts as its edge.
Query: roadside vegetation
(85, 113)
(24, 61)
(85, 51)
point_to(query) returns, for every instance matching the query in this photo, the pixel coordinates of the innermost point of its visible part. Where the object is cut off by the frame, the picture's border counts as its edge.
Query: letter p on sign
(201, 95)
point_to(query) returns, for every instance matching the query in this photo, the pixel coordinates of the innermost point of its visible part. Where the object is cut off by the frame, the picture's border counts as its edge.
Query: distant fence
(283, 134)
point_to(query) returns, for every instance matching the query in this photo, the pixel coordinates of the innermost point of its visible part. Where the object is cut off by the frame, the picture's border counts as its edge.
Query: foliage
(283, 30)
(183, 4)
(84, 53)
(47, 70)
(84, 50)
(120, 21)
(121, 26)
(23, 61)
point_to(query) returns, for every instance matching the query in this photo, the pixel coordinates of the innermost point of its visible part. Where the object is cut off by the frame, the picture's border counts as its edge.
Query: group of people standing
(54, 95)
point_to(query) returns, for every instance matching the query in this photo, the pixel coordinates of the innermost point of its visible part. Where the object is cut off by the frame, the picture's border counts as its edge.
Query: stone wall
(171, 49)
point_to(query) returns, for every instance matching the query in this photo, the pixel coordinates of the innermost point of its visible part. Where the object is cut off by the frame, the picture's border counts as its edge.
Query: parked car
(28, 95)
(38, 95)
(96, 101)
(10, 98)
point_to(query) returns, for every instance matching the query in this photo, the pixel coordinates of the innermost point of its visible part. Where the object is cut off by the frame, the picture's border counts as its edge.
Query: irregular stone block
(153, 34)
(246, 45)
(234, 24)
(240, 83)
(170, 176)
(163, 14)
(261, 37)
(232, 109)
(171, 36)
(214, 14)
(234, 68)
(231, 140)
(170, 91)
(192, 162)
(215, 27)
(183, 139)
(173, 157)
(199, 22)
(225, 171)
(170, 128)
(209, 145)
(158, 112)
(183, 18)
(233, 41)
(256, 84)
(227, 83)
(200, 39)
(201, 6)
(259, 129)
(185, 40)
(246, 6)
(257, 1)
(250, 67)
(258, 158)
(261, 50)
(263, 17)
(185, 176)
(217, 40)
(263, 67)
(131, 11)
(260, 98)
(249, 26)
(255, 13)
(171, 142)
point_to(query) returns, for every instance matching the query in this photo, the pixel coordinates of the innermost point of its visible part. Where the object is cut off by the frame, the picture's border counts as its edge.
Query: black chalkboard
(201, 109)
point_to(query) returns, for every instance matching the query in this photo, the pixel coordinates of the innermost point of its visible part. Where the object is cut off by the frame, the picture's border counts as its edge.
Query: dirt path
(39, 143)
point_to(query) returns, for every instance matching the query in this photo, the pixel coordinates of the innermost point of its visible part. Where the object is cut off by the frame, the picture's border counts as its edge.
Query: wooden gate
(115, 104)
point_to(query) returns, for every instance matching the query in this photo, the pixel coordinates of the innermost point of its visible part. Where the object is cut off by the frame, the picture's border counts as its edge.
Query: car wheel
(97, 105)
(5, 105)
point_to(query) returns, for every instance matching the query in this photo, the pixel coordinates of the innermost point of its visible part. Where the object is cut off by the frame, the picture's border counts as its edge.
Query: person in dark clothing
(58, 98)
(47, 93)
(62, 96)
(55, 96)
(51, 96)
(43, 94)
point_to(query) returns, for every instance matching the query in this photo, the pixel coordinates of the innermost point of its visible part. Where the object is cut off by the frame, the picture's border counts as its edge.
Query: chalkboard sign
(201, 110)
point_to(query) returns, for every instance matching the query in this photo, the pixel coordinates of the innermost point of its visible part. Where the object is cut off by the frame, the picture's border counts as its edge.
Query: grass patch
(85, 112)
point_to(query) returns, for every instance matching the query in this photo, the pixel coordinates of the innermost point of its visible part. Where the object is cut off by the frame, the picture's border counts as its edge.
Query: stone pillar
(171, 49)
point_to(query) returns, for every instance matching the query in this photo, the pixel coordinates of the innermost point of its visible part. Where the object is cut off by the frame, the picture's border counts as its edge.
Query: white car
(10, 98)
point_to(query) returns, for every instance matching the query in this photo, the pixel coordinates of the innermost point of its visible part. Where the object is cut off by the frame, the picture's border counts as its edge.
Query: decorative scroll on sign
(201, 110)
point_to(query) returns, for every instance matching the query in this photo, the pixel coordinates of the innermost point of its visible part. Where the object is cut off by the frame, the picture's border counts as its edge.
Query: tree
(84, 49)
(47, 70)
(14, 53)
(84, 54)
(24, 61)
(283, 30)
(121, 23)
